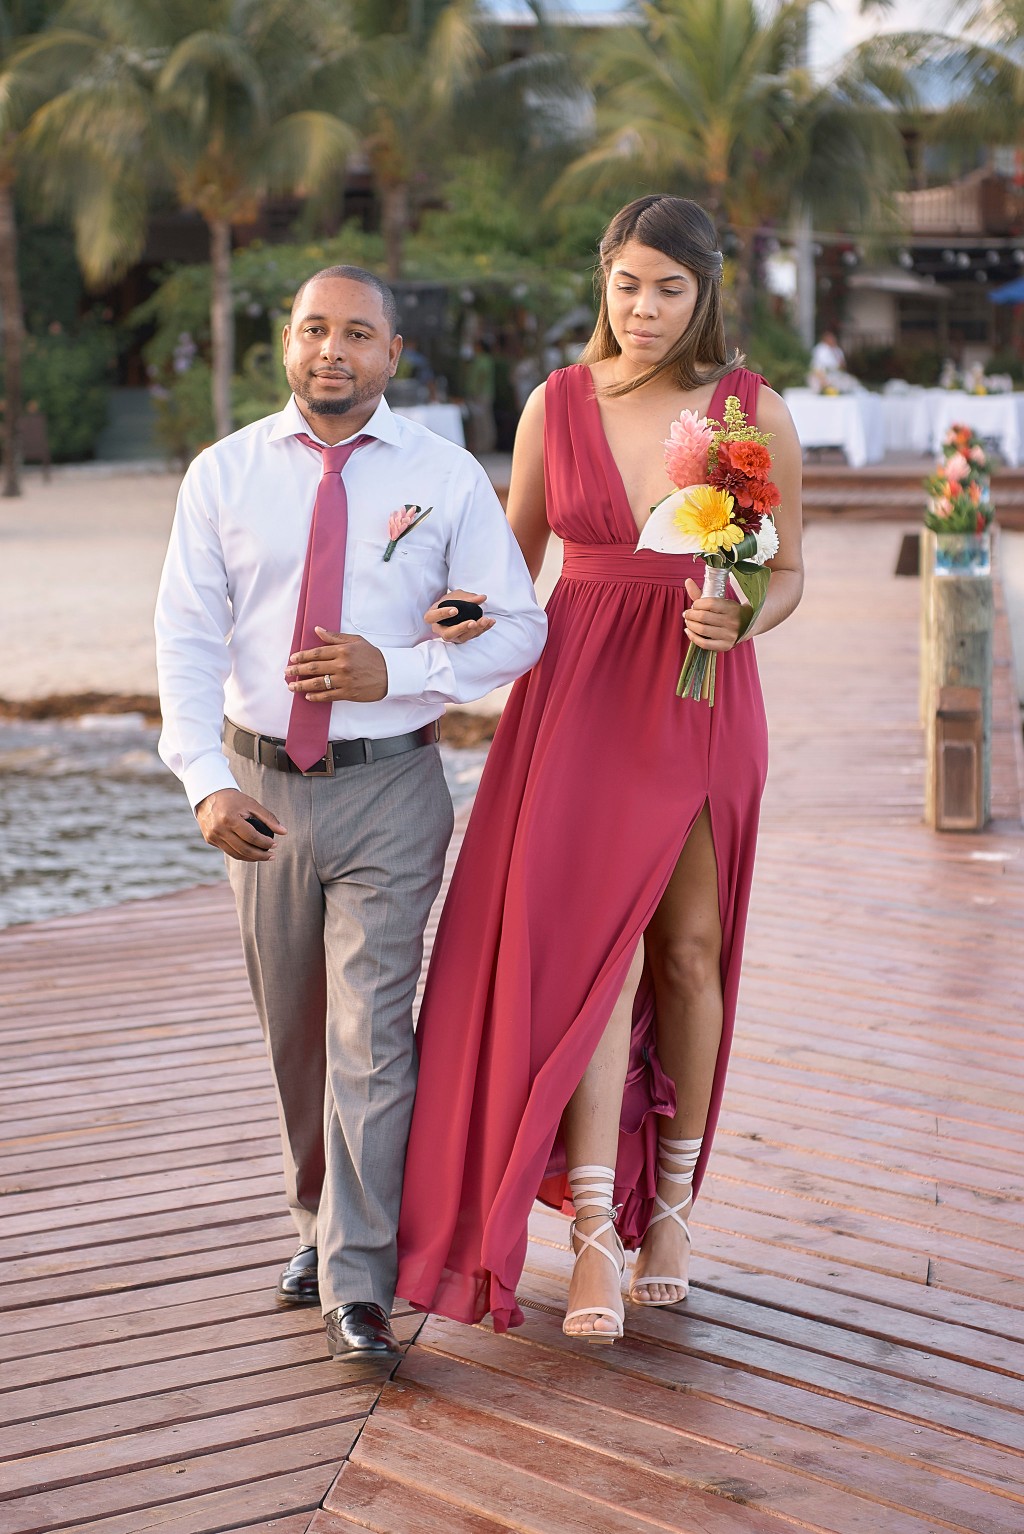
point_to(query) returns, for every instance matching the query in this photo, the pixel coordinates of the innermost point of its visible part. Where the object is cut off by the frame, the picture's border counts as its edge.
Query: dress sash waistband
(618, 562)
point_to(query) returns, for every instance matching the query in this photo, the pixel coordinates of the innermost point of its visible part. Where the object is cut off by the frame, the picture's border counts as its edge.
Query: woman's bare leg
(590, 1129)
(683, 944)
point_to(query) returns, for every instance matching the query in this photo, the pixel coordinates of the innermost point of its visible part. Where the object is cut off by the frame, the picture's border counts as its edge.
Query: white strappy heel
(595, 1185)
(677, 1160)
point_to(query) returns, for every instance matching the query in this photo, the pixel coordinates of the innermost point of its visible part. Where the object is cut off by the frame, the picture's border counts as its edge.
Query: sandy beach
(81, 557)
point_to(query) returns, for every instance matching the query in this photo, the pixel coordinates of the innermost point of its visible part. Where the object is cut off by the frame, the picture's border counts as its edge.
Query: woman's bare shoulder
(771, 408)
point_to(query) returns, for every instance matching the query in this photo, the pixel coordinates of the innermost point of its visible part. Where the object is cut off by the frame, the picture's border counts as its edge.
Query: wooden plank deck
(851, 1356)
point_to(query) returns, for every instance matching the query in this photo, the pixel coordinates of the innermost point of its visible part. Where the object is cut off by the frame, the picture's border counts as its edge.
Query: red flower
(766, 498)
(733, 482)
(750, 458)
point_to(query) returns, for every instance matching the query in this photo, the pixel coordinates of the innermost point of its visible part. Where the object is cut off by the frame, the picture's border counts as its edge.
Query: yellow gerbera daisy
(706, 515)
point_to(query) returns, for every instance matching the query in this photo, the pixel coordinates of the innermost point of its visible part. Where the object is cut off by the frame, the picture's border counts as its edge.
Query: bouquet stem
(697, 678)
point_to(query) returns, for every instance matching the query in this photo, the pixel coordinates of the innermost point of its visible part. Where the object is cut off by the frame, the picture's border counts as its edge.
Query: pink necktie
(323, 577)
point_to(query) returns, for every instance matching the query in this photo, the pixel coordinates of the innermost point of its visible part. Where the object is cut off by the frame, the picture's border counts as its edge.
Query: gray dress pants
(332, 930)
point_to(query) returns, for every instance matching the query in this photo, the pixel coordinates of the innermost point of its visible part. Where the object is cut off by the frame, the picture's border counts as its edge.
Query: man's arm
(483, 556)
(193, 620)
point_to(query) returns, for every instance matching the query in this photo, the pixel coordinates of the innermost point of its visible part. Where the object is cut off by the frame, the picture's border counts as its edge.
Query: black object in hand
(259, 825)
(466, 611)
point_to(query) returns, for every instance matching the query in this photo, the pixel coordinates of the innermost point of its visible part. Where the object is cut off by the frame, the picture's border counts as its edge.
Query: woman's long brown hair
(682, 231)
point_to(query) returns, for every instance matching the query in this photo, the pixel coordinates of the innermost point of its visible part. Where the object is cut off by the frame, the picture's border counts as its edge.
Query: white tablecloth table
(853, 422)
(446, 420)
(999, 417)
(907, 421)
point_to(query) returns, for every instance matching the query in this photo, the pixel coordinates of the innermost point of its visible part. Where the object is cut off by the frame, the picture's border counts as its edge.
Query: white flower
(767, 541)
(660, 533)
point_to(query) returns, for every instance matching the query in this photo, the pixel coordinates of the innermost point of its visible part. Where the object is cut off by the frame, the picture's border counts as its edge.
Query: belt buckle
(324, 768)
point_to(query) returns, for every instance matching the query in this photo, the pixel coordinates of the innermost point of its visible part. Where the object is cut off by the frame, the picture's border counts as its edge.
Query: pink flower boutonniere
(402, 522)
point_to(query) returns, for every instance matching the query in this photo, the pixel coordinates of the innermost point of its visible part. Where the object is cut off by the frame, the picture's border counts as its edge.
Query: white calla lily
(660, 533)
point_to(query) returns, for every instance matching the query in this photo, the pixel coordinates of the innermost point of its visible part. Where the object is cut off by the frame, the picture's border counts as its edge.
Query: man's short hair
(355, 274)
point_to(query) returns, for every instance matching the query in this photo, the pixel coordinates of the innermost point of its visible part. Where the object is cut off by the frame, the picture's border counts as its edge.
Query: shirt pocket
(389, 597)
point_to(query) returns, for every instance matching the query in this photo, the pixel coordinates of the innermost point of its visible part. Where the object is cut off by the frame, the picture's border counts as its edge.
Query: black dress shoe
(297, 1284)
(359, 1330)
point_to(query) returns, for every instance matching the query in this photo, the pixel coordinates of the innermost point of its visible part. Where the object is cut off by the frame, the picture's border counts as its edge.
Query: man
(304, 551)
(827, 356)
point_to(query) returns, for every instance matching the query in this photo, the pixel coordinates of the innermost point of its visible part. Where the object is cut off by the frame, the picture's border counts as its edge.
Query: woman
(611, 815)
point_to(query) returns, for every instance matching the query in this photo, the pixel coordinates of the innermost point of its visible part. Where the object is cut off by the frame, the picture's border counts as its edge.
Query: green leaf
(754, 586)
(744, 549)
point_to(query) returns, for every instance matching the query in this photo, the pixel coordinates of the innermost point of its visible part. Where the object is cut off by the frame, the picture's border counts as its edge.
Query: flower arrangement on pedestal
(958, 487)
(959, 508)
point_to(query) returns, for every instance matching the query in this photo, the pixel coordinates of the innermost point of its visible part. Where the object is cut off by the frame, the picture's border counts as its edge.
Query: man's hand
(713, 623)
(221, 818)
(355, 669)
(459, 632)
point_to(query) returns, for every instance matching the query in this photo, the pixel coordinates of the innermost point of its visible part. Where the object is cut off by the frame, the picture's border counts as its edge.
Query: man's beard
(335, 404)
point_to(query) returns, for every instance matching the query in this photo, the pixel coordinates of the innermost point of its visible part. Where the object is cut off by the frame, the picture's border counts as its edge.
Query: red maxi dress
(595, 777)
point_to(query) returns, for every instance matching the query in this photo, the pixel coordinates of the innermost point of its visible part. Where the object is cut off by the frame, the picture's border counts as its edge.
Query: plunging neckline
(635, 529)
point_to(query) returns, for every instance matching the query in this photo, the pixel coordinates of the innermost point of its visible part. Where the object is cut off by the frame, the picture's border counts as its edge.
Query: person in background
(479, 384)
(827, 356)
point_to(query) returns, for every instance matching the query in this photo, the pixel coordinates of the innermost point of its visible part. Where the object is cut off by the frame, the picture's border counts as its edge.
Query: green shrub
(67, 379)
(260, 387)
(496, 285)
(1007, 362)
(776, 350)
(184, 411)
(877, 364)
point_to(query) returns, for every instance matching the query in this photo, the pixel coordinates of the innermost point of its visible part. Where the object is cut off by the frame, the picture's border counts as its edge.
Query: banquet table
(907, 421)
(853, 422)
(446, 420)
(998, 417)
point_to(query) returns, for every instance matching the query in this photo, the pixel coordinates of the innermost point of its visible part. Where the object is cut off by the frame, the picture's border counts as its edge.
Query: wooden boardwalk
(851, 1357)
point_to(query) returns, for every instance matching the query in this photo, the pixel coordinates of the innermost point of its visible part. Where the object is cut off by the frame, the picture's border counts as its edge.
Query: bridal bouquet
(722, 511)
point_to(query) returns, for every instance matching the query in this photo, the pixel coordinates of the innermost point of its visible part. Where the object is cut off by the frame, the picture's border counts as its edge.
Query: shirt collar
(290, 420)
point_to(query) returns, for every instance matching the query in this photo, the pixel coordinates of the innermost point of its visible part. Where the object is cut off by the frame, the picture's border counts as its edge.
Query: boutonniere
(402, 522)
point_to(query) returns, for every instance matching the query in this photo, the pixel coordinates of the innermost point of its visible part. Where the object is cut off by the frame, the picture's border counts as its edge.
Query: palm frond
(455, 52)
(303, 150)
(210, 75)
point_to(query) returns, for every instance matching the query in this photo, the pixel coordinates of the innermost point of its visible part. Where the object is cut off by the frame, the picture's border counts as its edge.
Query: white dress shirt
(230, 586)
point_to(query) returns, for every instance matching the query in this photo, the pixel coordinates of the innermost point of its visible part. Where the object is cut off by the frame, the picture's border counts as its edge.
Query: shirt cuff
(407, 671)
(207, 775)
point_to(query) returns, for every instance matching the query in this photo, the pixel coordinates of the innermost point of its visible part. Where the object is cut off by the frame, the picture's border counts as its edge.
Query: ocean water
(90, 816)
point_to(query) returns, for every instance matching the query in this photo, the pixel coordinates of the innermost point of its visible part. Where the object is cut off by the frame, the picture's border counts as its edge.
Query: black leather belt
(270, 752)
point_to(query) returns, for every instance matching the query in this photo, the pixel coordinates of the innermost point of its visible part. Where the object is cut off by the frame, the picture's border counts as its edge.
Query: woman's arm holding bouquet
(787, 583)
(716, 623)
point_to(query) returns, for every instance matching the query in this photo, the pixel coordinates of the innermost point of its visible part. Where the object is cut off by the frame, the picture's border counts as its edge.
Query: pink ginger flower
(957, 467)
(686, 450)
(400, 522)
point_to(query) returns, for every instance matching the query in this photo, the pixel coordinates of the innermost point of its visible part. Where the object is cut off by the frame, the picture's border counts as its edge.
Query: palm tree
(430, 77)
(983, 72)
(211, 99)
(18, 100)
(712, 99)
